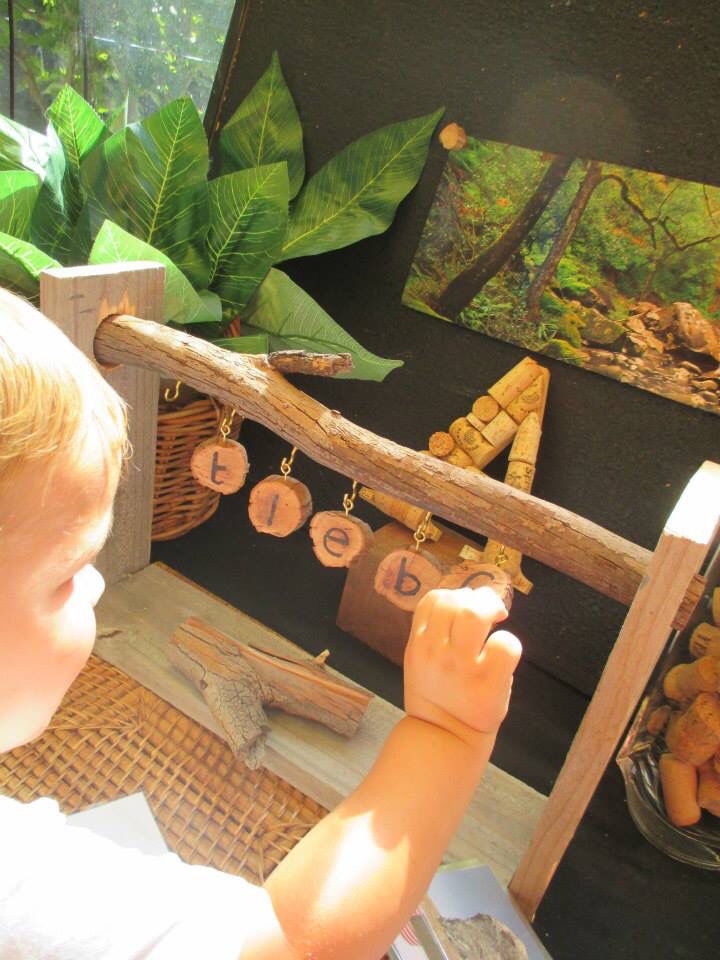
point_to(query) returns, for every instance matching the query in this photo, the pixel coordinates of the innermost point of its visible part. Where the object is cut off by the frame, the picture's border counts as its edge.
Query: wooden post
(681, 551)
(78, 299)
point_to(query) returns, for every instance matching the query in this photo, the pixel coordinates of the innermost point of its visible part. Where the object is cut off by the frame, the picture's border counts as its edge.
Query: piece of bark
(481, 937)
(311, 364)
(279, 505)
(237, 681)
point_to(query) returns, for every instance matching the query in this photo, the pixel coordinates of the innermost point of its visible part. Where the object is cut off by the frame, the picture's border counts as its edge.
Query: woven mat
(112, 737)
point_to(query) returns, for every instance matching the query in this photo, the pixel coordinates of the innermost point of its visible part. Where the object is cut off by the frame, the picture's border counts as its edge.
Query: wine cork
(520, 475)
(686, 680)
(695, 735)
(472, 442)
(531, 400)
(404, 513)
(514, 382)
(459, 458)
(679, 786)
(485, 408)
(441, 444)
(527, 440)
(705, 641)
(500, 431)
(708, 795)
(475, 421)
(658, 719)
(715, 606)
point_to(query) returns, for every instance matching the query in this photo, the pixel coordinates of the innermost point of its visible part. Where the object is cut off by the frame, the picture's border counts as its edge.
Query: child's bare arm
(347, 888)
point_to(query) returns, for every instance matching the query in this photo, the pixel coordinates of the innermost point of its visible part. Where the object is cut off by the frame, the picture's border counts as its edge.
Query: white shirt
(69, 894)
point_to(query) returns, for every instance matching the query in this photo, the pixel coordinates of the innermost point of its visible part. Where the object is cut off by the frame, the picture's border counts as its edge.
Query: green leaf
(248, 220)
(294, 321)
(252, 343)
(22, 148)
(213, 305)
(21, 264)
(356, 194)
(18, 194)
(79, 129)
(181, 304)
(57, 207)
(151, 179)
(265, 129)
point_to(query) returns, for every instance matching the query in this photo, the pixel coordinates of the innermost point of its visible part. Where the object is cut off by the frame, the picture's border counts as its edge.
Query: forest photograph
(612, 269)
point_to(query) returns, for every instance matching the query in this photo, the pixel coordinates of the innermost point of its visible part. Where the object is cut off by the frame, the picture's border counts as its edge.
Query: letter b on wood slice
(338, 540)
(220, 465)
(279, 505)
(405, 576)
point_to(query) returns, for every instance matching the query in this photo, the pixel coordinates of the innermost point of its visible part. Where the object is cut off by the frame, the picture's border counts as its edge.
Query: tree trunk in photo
(546, 272)
(467, 284)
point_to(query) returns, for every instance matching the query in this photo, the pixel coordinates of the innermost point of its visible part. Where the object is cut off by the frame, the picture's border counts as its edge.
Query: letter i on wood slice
(280, 505)
(220, 463)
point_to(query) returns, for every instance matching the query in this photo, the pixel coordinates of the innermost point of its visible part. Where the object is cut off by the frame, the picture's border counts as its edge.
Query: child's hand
(455, 675)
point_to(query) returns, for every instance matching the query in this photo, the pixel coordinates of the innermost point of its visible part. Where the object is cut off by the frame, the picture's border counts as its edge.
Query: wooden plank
(138, 615)
(77, 299)
(681, 551)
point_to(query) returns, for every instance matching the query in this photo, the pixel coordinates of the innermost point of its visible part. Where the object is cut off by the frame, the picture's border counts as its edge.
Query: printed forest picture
(609, 268)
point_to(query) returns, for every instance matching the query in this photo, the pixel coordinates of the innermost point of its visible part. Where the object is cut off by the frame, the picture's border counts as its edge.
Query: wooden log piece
(440, 444)
(237, 681)
(459, 458)
(410, 516)
(551, 534)
(485, 408)
(339, 539)
(679, 787)
(405, 576)
(279, 505)
(695, 735)
(480, 451)
(221, 465)
(514, 382)
(531, 400)
(705, 640)
(474, 575)
(500, 431)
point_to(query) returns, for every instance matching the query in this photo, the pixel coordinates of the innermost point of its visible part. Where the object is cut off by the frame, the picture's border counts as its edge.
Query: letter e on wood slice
(338, 540)
(476, 575)
(405, 576)
(220, 465)
(279, 505)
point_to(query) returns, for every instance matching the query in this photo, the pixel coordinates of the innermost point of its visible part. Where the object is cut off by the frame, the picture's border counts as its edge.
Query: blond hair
(52, 398)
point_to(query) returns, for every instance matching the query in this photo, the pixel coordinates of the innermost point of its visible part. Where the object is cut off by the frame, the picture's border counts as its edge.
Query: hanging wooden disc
(475, 575)
(221, 465)
(339, 539)
(279, 505)
(405, 576)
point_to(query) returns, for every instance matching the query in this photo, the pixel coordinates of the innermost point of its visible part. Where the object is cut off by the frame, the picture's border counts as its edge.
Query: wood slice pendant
(405, 576)
(221, 465)
(339, 539)
(475, 575)
(279, 505)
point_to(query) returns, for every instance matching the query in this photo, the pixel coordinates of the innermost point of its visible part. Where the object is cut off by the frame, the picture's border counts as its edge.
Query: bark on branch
(554, 536)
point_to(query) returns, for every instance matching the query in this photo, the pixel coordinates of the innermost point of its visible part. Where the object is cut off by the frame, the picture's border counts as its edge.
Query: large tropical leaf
(181, 304)
(79, 129)
(355, 195)
(248, 220)
(58, 206)
(294, 321)
(265, 129)
(21, 264)
(22, 148)
(252, 343)
(151, 179)
(18, 194)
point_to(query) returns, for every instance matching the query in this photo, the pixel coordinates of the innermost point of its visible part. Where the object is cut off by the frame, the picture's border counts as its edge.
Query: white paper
(128, 822)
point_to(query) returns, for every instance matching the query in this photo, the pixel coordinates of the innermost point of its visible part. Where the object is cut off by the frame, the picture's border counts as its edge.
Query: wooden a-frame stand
(519, 833)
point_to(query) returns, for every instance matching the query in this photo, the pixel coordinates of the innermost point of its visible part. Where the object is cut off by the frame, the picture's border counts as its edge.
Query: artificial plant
(82, 192)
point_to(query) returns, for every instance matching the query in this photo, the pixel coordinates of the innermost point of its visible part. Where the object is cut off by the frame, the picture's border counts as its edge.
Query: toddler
(348, 887)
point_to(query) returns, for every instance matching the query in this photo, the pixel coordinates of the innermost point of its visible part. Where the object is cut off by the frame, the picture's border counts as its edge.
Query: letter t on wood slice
(279, 505)
(405, 576)
(338, 539)
(221, 465)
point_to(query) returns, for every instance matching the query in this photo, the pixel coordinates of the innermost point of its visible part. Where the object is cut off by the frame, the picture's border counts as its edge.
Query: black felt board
(625, 82)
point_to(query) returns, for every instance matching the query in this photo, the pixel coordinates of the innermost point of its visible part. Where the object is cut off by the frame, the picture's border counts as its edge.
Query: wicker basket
(180, 503)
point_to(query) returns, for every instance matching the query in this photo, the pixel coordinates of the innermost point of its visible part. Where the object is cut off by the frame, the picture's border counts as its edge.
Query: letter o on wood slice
(338, 540)
(279, 505)
(220, 465)
(475, 575)
(405, 576)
